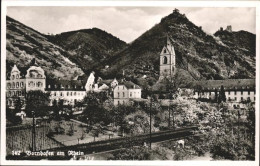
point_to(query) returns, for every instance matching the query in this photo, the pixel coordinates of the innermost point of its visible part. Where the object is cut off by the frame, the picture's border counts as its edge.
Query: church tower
(167, 60)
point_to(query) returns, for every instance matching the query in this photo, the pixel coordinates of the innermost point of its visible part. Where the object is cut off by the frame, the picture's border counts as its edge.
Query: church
(237, 91)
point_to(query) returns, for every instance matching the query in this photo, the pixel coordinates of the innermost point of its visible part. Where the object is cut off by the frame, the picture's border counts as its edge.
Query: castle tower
(167, 60)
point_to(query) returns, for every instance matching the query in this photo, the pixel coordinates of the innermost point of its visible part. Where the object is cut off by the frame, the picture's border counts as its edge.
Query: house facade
(236, 90)
(125, 91)
(33, 79)
(22, 81)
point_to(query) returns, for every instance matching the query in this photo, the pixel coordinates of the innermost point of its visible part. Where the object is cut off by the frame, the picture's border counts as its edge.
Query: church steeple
(167, 59)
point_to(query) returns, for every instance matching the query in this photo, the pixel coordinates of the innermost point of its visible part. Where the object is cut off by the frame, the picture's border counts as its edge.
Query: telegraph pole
(151, 122)
(33, 133)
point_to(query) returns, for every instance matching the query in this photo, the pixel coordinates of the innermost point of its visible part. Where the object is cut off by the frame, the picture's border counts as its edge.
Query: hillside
(89, 47)
(23, 44)
(199, 55)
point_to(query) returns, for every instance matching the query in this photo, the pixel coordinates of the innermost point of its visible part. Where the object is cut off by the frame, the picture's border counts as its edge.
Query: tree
(17, 105)
(94, 110)
(38, 102)
(222, 95)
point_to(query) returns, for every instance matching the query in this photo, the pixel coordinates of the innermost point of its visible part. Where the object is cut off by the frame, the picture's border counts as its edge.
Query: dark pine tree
(222, 95)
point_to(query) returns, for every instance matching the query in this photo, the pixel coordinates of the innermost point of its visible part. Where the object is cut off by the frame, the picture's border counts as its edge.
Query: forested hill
(24, 44)
(199, 55)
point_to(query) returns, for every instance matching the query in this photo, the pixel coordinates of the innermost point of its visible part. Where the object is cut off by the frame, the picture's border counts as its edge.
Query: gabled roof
(169, 47)
(230, 84)
(130, 85)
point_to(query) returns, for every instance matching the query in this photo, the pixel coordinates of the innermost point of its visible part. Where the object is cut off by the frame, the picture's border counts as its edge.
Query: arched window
(17, 85)
(21, 84)
(39, 84)
(71, 93)
(8, 85)
(68, 93)
(60, 93)
(75, 93)
(10, 94)
(123, 94)
(13, 85)
(54, 93)
(13, 77)
(17, 76)
(31, 84)
(39, 76)
(164, 60)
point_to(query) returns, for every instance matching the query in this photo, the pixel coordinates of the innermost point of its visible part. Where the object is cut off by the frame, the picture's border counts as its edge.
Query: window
(130, 94)
(229, 99)
(17, 85)
(71, 93)
(39, 76)
(68, 93)
(210, 93)
(13, 77)
(242, 98)
(60, 93)
(17, 76)
(75, 93)
(164, 51)
(118, 94)
(235, 92)
(13, 85)
(164, 60)
(248, 98)
(248, 92)
(235, 98)
(228, 92)
(10, 94)
(39, 84)
(21, 84)
(31, 84)
(8, 85)
(123, 94)
(241, 92)
(54, 93)
(19, 93)
(123, 87)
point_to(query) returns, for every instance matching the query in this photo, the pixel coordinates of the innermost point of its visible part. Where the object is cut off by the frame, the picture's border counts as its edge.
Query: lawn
(80, 134)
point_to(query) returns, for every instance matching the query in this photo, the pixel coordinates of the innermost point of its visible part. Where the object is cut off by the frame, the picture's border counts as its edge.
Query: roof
(230, 84)
(107, 81)
(130, 85)
(65, 85)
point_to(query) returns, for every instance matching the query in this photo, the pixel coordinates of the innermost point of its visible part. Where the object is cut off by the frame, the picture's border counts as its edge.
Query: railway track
(125, 142)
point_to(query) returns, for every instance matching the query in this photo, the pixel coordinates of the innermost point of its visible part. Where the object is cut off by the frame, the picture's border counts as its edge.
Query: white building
(70, 91)
(126, 91)
(236, 90)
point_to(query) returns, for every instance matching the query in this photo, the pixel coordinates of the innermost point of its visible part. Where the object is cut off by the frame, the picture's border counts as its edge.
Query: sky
(128, 23)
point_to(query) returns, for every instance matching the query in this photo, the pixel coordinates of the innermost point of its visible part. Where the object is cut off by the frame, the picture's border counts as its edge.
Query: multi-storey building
(22, 81)
(236, 90)
(33, 78)
(126, 91)
(70, 91)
